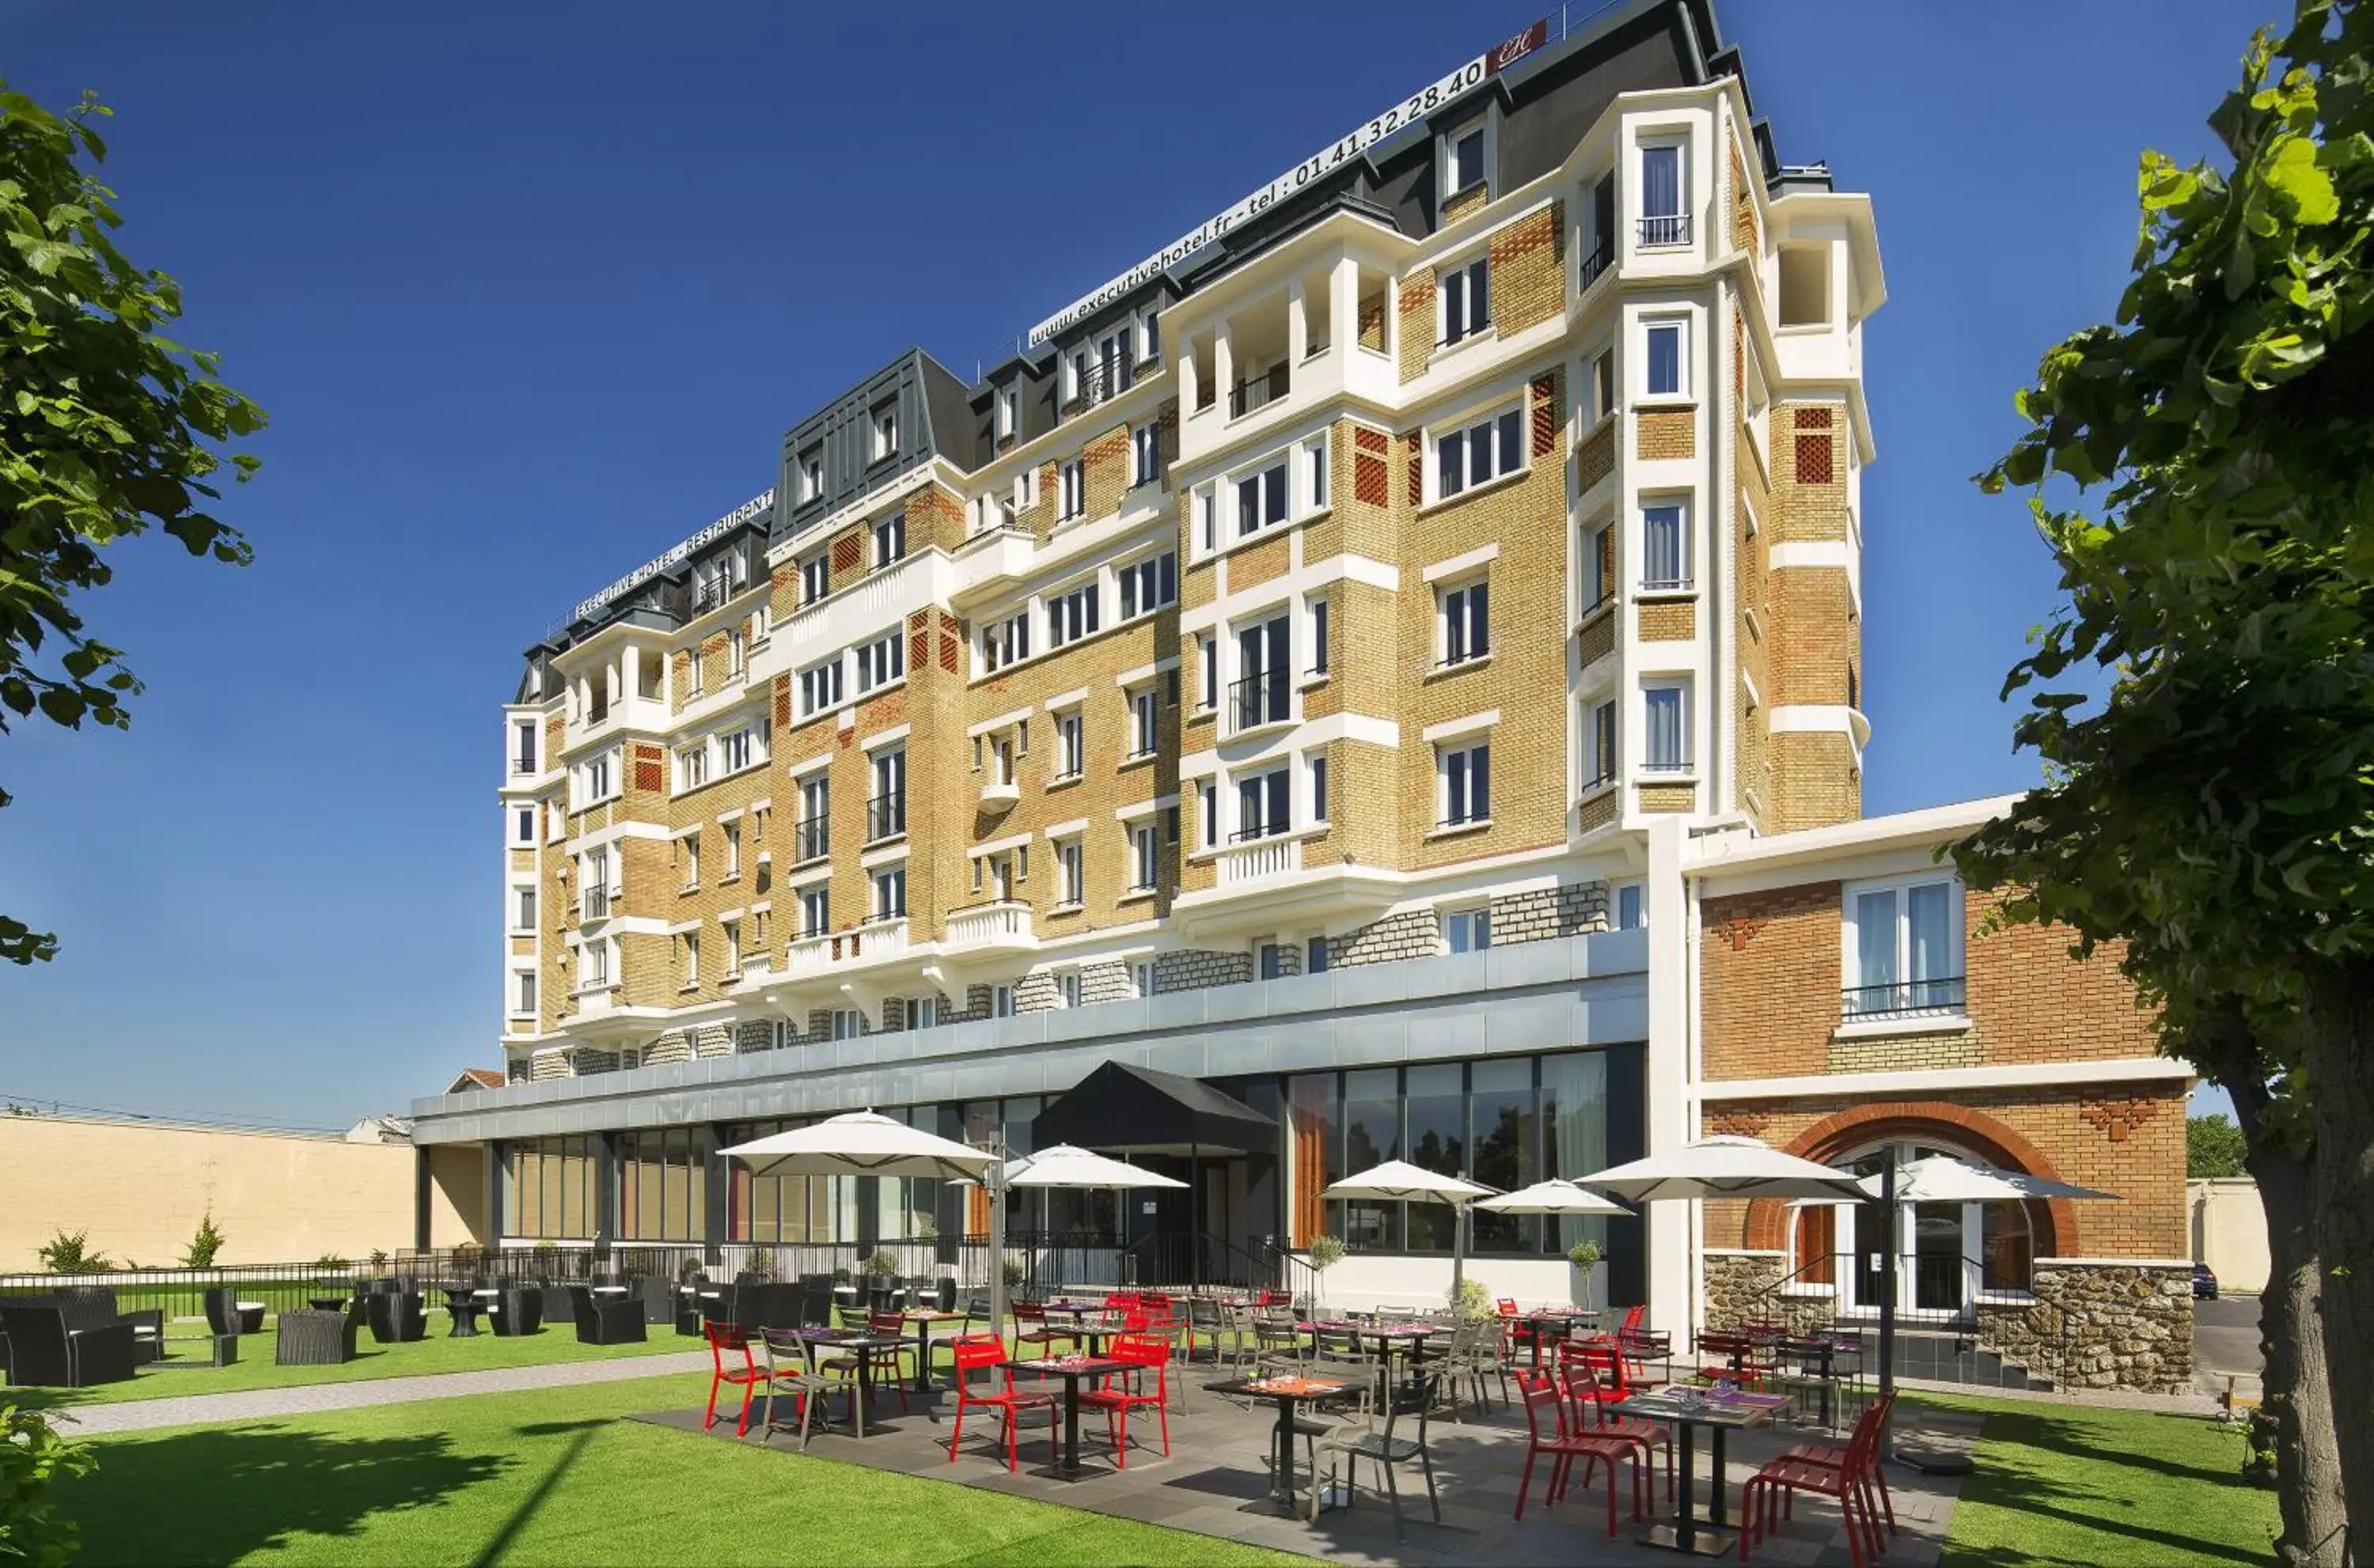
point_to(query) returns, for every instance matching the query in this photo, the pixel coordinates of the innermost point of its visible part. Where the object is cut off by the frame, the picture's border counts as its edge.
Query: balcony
(1596, 261)
(1665, 229)
(1003, 924)
(1103, 379)
(1260, 858)
(596, 905)
(811, 955)
(523, 765)
(885, 817)
(999, 793)
(1259, 392)
(1263, 697)
(1942, 997)
(812, 839)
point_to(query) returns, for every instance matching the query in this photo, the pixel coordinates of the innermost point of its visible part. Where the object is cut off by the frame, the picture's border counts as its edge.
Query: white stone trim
(1003, 720)
(1301, 580)
(992, 846)
(816, 763)
(1458, 564)
(2185, 1263)
(1072, 698)
(1903, 1028)
(1144, 808)
(1311, 733)
(1799, 718)
(1146, 672)
(1065, 829)
(1948, 1080)
(1832, 553)
(1450, 729)
(881, 738)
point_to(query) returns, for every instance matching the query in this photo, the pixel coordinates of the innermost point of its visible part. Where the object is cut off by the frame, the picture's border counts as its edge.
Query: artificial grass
(556, 1476)
(436, 1353)
(2083, 1484)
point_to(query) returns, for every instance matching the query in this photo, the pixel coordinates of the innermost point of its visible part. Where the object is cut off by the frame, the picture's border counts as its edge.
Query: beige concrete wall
(141, 1190)
(457, 1195)
(2229, 1231)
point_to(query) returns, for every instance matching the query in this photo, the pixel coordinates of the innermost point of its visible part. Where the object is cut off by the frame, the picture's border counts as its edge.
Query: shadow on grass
(232, 1490)
(582, 1434)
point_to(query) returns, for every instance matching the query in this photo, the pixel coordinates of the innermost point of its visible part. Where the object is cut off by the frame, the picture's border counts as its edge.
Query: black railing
(1666, 582)
(1102, 379)
(1598, 260)
(1904, 999)
(1665, 229)
(1259, 699)
(1668, 764)
(885, 816)
(812, 838)
(1943, 1333)
(1258, 392)
(1253, 830)
(522, 764)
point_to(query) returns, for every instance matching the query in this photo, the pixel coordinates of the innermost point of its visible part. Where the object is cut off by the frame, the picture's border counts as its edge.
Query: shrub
(1473, 1300)
(64, 1254)
(882, 1265)
(203, 1247)
(1014, 1273)
(1325, 1252)
(33, 1459)
(378, 1257)
(331, 1263)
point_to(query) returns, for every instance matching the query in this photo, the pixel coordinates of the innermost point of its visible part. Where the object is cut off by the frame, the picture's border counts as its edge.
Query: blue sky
(529, 297)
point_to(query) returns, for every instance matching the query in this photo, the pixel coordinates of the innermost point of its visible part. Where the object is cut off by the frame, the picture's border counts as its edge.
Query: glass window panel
(1929, 916)
(1314, 1153)
(1876, 942)
(1437, 1105)
(1574, 1136)
(1372, 1115)
(1504, 1134)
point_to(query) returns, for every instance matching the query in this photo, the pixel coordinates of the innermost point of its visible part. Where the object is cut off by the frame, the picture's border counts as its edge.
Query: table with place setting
(1721, 1410)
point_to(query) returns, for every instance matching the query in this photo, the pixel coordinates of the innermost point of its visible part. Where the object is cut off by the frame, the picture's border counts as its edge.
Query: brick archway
(2052, 1221)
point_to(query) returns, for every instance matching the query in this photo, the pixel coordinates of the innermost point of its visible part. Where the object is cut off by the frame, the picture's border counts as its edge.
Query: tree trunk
(2296, 1399)
(2337, 1049)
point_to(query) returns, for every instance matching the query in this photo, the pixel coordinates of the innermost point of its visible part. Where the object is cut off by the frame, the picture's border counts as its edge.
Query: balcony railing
(812, 839)
(1598, 260)
(1251, 831)
(875, 941)
(596, 904)
(1103, 379)
(1258, 699)
(1267, 857)
(988, 924)
(1655, 765)
(1940, 997)
(885, 816)
(1258, 392)
(1665, 229)
(522, 764)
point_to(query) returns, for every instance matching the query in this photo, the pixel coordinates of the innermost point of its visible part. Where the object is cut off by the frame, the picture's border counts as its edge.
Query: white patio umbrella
(1067, 1165)
(1551, 1198)
(860, 1143)
(1943, 1178)
(1723, 1166)
(1398, 1181)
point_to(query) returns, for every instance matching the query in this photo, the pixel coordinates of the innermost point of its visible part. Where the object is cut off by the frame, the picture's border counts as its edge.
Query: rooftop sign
(755, 507)
(1437, 95)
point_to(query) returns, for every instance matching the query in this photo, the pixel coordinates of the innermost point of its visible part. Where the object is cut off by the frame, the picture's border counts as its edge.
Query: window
(1314, 618)
(1665, 545)
(1204, 511)
(1665, 214)
(881, 662)
(1599, 232)
(885, 801)
(1149, 585)
(1261, 500)
(1074, 495)
(1144, 859)
(1149, 337)
(1467, 784)
(1479, 454)
(1466, 161)
(1599, 757)
(1261, 694)
(1269, 961)
(1599, 566)
(734, 749)
(1804, 285)
(812, 835)
(692, 767)
(890, 539)
(1141, 979)
(1116, 362)
(811, 465)
(1009, 411)
(523, 753)
(1314, 772)
(1631, 906)
(1262, 806)
(1314, 472)
(884, 426)
(523, 908)
(1145, 721)
(597, 779)
(595, 965)
(689, 858)
(733, 834)
(1170, 825)
(1067, 987)
(1665, 342)
(819, 688)
(595, 872)
(922, 1012)
(890, 893)
(1207, 813)
(696, 678)
(1146, 454)
(816, 910)
(1315, 957)
(1072, 615)
(523, 825)
(688, 945)
(1071, 873)
(523, 994)
(1904, 949)
(1467, 303)
(1463, 621)
(1001, 760)
(1207, 661)
(848, 1024)
(1005, 641)
(1467, 931)
(815, 577)
(1668, 709)
(1001, 1001)
(1598, 387)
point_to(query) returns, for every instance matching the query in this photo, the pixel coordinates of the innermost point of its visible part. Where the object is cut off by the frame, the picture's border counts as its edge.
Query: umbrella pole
(1458, 1250)
(995, 1177)
(1888, 1294)
(1195, 1217)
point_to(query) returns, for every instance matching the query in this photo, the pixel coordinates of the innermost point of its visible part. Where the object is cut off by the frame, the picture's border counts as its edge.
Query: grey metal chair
(1365, 1437)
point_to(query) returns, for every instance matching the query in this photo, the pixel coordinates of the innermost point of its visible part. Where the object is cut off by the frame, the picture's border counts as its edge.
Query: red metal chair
(1773, 1490)
(1597, 1381)
(1515, 1335)
(1149, 1354)
(1032, 1329)
(1007, 1402)
(750, 1376)
(1546, 1432)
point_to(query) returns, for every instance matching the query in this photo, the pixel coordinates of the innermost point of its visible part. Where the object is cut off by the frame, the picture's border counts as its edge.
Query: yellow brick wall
(1667, 433)
(1663, 798)
(1417, 307)
(1669, 620)
(1528, 271)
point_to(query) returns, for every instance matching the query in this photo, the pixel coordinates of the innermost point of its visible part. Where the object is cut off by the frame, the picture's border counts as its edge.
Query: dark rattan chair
(317, 1339)
(517, 1310)
(616, 1321)
(46, 1349)
(94, 1307)
(395, 1318)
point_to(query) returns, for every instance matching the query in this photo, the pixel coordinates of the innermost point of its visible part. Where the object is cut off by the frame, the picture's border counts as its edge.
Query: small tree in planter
(1584, 1256)
(204, 1246)
(72, 1254)
(1014, 1273)
(1326, 1251)
(1473, 1301)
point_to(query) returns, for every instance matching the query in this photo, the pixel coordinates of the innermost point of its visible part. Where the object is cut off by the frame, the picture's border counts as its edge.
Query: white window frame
(1314, 788)
(816, 910)
(888, 541)
(1463, 621)
(1683, 578)
(1679, 325)
(523, 993)
(820, 687)
(1463, 279)
(742, 741)
(1636, 894)
(1686, 767)
(882, 423)
(1486, 128)
(1145, 454)
(1475, 920)
(881, 662)
(522, 815)
(1602, 744)
(1313, 464)
(1071, 745)
(691, 766)
(1956, 944)
(1148, 584)
(1679, 142)
(1005, 641)
(1071, 873)
(1145, 722)
(1492, 428)
(1074, 615)
(594, 964)
(1009, 411)
(815, 578)
(885, 892)
(1602, 394)
(1145, 857)
(524, 902)
(1072, 480)
(810, 463)
(1457, 760)
(1281, 495)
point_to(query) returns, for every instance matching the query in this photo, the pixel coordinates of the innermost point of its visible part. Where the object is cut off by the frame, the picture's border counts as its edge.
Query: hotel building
(1394, 660)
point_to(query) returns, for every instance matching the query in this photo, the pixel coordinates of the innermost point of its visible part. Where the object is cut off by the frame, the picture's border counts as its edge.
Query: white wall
(2228, 1227)
(1364, 1281)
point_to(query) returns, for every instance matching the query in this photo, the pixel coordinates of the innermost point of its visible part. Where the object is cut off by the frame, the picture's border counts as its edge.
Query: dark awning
(1121, 1108)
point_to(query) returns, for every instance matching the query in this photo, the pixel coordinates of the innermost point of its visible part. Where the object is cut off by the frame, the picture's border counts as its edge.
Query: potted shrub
(881, 1272)
(1584, 1256)
(1325, 1252)
(1473, 1301)
(1014, 1273)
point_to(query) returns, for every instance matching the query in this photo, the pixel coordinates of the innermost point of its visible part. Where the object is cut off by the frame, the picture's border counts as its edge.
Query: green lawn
(434, 1354)
(2076, 1484)
(557, 1477)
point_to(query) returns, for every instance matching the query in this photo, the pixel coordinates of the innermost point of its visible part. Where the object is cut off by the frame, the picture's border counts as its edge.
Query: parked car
(2205, 1283)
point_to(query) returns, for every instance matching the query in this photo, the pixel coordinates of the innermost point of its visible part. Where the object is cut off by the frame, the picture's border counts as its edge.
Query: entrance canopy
(1136, 1110)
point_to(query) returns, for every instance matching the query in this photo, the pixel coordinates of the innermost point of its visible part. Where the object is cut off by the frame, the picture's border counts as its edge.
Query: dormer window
(1465, 156)
(1009, 412)
(1467, 159)
(885, 423)
(811, 467)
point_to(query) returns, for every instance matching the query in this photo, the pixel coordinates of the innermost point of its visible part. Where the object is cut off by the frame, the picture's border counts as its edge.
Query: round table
(462, 1302)
(1285, 1393)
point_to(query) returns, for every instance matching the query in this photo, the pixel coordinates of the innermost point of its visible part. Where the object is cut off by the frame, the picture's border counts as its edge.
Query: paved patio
(1215, 1483)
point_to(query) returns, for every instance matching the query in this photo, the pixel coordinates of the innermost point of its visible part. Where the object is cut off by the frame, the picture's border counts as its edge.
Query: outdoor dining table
(866, 1349)
(328, 1303)
(1285, 1393)
(922, 1319)
(1071, 1369)
(462, 1303)
(1561, 1325)
(1686, 1411)
(1819, 1353)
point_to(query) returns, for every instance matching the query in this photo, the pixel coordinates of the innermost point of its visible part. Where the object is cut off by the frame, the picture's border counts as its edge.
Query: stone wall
(1735, 1284)
(2105, 1325)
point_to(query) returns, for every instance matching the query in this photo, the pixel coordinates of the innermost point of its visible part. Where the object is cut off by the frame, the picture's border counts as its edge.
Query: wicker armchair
(94, 1307)
(517, 1310)
(46, 1348)
(317, 1339)
(395, 1318)
(226, 1313)
(616, 1321)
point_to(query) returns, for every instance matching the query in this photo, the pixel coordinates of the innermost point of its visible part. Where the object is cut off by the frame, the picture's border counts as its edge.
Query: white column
(1185, 353)
(1344, 305)
(632, 669)
(1223, 367)
(1298, 326)
(1670, 1077)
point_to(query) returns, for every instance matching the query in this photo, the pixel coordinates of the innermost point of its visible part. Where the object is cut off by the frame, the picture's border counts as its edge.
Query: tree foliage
(204, 1245)
(69, 1252)
(33, 1460)
(108, 428)
(2213, 1147)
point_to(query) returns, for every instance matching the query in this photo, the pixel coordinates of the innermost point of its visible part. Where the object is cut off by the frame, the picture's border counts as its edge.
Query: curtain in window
(1876, 946)
(1817, 1244)
(1660, 547)
(1929, 919)
(1311, 1112)
(1668, 738)
(1574, 1133)
(1660, 182)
